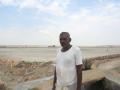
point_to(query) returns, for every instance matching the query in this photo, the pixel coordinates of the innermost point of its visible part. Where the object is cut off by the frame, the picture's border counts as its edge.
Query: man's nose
(62, 41)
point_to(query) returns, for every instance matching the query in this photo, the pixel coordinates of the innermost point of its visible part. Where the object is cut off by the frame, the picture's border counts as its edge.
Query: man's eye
(63, 39)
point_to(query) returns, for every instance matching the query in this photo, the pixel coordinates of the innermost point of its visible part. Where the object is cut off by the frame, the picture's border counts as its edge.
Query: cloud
(15, 36)
(90, 25)
(98, 25)
(48, 35)
(95, 16)
(55, 7)
(7, 2)
(52, 8)
(27, 4)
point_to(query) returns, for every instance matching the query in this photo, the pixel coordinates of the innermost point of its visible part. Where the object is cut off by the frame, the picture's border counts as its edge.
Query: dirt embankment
(12, 73)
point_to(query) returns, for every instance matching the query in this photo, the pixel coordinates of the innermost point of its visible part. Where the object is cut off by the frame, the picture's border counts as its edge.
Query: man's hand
(53, 87)
(79, 76)
(54, 81)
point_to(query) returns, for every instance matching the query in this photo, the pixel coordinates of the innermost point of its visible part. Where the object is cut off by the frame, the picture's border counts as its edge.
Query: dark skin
(65, 43)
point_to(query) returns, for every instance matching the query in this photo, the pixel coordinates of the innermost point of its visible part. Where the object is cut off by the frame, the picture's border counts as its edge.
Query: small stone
(2, 85)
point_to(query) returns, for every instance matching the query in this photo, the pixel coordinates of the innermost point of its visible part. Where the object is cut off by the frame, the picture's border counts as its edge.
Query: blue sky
(39, 22)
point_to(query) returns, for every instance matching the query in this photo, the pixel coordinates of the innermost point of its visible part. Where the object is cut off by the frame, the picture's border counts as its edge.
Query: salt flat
(43, 54)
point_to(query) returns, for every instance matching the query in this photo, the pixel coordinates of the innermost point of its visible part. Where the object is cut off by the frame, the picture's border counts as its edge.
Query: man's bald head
(65, 34)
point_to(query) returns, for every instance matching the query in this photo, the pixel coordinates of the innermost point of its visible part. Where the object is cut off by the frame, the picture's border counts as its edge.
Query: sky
(39, 22)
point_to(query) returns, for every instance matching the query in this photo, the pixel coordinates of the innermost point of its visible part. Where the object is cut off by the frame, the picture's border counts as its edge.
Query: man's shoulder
(58, 50)
(76, 48)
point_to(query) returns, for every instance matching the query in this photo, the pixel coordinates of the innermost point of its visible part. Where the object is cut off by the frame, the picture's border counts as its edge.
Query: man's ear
(70, 39)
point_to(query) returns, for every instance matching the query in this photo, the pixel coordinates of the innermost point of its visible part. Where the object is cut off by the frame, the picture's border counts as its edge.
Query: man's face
(64, 40)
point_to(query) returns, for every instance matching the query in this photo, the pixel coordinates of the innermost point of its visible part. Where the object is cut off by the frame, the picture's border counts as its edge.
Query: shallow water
(49, 53)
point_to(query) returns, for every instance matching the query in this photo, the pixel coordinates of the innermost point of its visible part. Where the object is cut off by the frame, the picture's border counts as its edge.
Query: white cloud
(45, 32)
(94, 26)
(28, 4)
(20, 36)
(98, 25)
(7, 2)
(52, 8)
(55, 7)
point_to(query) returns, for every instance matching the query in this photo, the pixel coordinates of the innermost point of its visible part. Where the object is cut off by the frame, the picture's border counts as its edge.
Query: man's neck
(66, 48)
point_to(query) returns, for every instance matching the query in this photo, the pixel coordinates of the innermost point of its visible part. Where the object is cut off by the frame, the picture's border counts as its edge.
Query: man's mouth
(63, 44)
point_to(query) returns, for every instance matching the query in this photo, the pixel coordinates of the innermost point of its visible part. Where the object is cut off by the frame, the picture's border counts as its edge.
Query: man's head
(65, 39)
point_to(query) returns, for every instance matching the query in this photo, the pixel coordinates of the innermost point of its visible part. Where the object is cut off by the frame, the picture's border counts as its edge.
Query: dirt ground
(12, 72)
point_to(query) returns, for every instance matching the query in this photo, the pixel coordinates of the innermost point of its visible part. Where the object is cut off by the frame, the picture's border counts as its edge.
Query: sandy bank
(13, 73)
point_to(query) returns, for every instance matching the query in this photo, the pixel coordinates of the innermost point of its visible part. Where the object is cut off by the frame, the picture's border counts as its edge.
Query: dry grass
(13, 72)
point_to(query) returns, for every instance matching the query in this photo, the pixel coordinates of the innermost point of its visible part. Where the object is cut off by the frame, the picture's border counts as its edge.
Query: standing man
(68, 69)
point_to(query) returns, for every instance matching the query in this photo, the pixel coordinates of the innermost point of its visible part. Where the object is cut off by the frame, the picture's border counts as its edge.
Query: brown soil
(12, 72)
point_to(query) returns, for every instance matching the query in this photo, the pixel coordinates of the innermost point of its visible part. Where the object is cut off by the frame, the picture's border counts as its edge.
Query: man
(68, 69)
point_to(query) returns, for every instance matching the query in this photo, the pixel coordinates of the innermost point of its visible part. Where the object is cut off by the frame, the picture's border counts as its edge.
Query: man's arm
(79, 76)
(54, 81)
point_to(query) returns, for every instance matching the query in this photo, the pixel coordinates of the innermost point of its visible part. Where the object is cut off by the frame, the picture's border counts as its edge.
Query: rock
(20, 64)
(2, 85)
(92, 76)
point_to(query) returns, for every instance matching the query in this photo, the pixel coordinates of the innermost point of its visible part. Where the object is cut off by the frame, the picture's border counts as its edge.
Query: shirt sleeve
(78, 56)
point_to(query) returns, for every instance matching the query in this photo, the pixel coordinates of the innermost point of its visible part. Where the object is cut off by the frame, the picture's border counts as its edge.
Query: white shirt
(66, 65)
